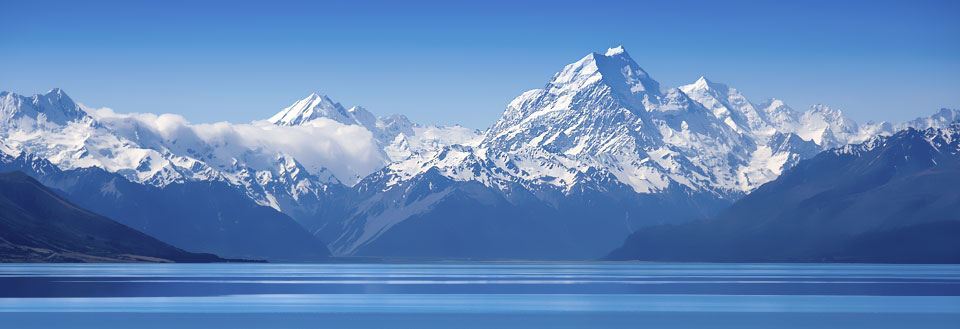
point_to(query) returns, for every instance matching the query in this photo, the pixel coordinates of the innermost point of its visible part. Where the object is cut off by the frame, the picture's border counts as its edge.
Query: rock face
(37, 225)
(889, 199)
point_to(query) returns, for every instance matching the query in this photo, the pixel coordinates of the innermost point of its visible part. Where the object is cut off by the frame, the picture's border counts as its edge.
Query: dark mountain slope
(37, 225)
(433, 216)
(891, 199)
(208, 217)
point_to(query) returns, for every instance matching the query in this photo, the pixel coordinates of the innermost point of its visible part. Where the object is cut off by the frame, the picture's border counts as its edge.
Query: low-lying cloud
(348, 151)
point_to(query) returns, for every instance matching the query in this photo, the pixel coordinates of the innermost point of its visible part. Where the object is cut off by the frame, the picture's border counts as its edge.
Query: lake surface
(479, 295)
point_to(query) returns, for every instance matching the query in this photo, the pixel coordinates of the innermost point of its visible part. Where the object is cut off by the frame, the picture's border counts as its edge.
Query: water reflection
(881, 295)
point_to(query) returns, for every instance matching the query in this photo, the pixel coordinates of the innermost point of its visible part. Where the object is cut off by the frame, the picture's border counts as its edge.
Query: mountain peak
(363, 117)
(775, 102)
(826, 110)
(317, 98)
(614, 68)
(312, 107)
(53, 106)
(942, 118)
(618, 50)
(56, 92)
(705, 84)
(948, 115)
(774, 106)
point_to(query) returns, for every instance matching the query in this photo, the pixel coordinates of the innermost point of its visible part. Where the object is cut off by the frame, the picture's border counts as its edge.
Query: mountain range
(569, 170)
(199, 216)
(889, 199)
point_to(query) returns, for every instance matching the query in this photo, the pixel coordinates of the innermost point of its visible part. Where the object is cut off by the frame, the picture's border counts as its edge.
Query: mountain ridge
(208, 217)
(851, 203)
(601, 130)
(582, 133)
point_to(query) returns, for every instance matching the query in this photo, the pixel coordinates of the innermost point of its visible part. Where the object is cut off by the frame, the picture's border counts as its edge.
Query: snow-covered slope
(316, 106)
(942, 119)
(295, 162)
(601, 129)
(276, 166)
(54, 107)
(604, 113)
(890, 199)
(394, 138)
(397, 136)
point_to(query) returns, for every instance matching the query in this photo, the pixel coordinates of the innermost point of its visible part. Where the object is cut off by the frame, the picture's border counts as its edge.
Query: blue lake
(479, 295)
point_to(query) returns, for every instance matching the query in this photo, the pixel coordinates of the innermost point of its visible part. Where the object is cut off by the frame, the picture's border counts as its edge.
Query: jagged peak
(312, 107)
(938, 137)
(703, 81)
(62, 98)
(825, 109)
(395, 122)
(52, 94)
(704, 84)
(614, 68)
(316, 98)
(618, 50)
(395, 117)
(362, 116)
(57, 92)
(941, 118)
(54, 106)
(774, 103)
(948, 113)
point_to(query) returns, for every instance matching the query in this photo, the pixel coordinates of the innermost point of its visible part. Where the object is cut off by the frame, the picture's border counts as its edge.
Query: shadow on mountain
(37, 225)
(208, 216)
(892, 199)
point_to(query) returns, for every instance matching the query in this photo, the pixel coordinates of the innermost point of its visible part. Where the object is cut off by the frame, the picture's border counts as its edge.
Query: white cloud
(348, 151)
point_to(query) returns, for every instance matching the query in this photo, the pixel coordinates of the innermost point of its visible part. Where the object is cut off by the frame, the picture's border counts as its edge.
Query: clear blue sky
(442, 62)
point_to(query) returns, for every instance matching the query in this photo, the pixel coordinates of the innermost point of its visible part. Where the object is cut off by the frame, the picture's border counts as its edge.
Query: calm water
(484, 295)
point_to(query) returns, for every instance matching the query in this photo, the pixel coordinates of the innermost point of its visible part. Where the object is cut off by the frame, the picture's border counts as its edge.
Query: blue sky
(448, 62)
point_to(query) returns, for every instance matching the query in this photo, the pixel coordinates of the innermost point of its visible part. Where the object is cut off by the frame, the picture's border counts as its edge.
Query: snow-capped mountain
(602, 131)
(200, 216)
(316, 106)
(55, 107)
(153, 150)
(731, 107)
(397, 136)
(940, 120)
(601, 150)
(295, 162)
(889, 199)
(606, 113)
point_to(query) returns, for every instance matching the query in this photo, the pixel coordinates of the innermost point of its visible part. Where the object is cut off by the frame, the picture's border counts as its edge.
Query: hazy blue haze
(480, 295)
(462, 62)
